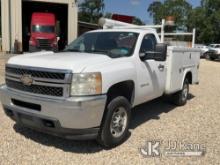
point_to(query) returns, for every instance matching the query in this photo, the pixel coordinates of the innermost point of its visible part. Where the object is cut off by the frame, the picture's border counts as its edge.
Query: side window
(148, 44)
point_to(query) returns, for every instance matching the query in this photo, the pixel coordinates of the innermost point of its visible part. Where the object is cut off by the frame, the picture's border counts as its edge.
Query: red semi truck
(43, 35)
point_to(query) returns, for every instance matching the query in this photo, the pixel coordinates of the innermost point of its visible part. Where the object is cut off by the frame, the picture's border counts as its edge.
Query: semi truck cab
(43, 35)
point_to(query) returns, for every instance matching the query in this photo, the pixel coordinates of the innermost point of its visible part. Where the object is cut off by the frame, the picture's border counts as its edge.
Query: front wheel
(180, 98)
(55, 49)
(114, 128)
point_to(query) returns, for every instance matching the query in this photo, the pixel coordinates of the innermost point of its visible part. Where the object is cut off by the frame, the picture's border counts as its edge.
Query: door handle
(161, 67)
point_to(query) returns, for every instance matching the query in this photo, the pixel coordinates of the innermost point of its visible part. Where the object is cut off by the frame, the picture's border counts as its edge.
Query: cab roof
(41, 18)
(134, 30)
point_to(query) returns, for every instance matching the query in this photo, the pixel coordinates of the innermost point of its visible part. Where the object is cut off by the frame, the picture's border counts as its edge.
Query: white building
(15, 15)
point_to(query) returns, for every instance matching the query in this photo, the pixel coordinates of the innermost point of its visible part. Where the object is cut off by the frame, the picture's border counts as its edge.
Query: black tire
(180, 98)
(211, 58)
(106, 137)
(207, 56)
(55, 49)
(33, 49)
(203, 55)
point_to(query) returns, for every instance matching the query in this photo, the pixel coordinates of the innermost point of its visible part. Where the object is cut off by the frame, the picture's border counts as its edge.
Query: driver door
(152, 74)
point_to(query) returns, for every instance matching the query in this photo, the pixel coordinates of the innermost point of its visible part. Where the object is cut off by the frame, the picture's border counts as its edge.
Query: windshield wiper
(99, 52)
(105, 52)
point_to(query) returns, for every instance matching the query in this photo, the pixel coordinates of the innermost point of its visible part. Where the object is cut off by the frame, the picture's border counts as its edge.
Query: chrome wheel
(118, 122)
(185, 92)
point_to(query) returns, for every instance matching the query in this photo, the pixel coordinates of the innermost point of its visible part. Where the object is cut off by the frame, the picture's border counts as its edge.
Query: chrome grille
(44, 43)
(46, 82)
(34, 73)
(37, 89)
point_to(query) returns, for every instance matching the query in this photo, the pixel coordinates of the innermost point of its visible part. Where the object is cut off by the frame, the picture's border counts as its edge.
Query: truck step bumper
(49, 126)
(72, 118)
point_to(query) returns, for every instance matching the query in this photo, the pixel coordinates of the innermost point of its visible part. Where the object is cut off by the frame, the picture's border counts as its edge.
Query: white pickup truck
(88, 90)
(213, 52)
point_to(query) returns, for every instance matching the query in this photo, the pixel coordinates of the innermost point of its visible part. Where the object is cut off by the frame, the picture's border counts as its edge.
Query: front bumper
(73, 118)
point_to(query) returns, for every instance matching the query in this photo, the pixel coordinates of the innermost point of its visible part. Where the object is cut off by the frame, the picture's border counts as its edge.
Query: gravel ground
(198, 122)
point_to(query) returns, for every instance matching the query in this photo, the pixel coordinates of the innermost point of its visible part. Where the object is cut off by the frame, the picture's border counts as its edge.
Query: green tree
(206, 19)
(91, 10)
(179, 9)
(156, 11)
(108, 15)
(137, 21)
(202, 24)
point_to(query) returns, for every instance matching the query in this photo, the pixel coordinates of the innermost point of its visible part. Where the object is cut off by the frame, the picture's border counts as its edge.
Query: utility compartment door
(179, 62)
(174, 70)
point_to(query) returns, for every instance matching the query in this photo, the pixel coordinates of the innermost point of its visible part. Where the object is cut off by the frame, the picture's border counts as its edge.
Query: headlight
(86, 84)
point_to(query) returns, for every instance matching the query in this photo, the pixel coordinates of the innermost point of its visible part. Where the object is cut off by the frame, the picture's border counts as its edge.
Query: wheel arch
(189, 76)
(123, 88)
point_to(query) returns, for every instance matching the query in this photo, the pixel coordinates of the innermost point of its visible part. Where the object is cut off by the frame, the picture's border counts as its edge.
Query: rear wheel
(114, 128)
(180, 98)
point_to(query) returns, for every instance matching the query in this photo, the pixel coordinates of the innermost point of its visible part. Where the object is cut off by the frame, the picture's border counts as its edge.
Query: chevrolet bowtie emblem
(26, 79)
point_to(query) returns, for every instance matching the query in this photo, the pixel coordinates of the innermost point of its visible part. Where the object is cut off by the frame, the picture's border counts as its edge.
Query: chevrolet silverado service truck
(88, 90)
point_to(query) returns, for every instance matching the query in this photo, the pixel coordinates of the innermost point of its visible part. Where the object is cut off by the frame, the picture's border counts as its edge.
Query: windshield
(113, 44)
(43, 29)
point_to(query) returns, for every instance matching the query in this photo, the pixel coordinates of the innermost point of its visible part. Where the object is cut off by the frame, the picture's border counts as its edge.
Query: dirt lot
(196, 123)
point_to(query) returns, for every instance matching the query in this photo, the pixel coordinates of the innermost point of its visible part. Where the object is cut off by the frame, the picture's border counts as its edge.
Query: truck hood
(75, 61)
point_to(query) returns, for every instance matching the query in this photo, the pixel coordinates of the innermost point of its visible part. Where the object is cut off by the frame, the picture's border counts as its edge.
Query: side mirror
(161, 52)
(148, 55)
(158, 55)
